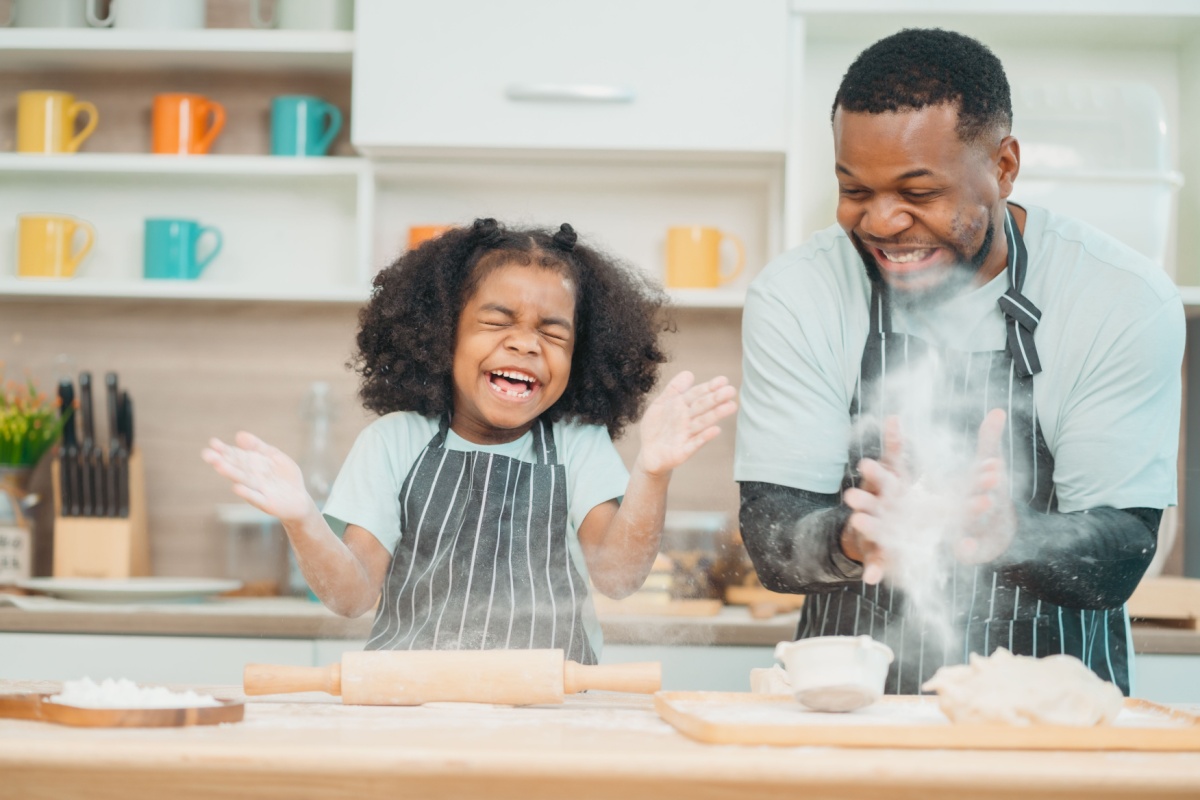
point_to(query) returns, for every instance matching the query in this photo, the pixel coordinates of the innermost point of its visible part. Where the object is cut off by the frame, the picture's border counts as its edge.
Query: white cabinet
(690, 75)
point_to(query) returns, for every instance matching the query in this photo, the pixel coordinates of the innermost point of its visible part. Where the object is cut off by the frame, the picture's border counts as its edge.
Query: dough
(770, 681)
(1022, 690)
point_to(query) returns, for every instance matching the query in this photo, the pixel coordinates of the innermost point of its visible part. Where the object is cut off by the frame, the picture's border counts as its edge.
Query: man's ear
(1008, 164)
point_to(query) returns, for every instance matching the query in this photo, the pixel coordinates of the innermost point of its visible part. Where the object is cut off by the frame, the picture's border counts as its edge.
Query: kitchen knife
(70, 449)
(125, 436)
(87, 486)
(110, 470)
(412, 677)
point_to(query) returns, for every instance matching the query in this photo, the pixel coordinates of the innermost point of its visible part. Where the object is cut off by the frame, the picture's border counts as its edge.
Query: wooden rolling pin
(412, 677)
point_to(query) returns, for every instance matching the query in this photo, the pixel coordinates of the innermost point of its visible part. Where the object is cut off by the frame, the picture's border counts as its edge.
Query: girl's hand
(262, 476)
(681, 421)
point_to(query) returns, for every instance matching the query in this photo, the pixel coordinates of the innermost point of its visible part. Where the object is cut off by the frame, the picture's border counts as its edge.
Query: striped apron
(482, 561)
(986, 610)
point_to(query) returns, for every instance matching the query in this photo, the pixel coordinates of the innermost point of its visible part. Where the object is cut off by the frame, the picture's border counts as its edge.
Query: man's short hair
(921, 67)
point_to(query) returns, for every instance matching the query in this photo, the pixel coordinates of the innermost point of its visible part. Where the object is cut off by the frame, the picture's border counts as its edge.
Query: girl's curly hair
(407, 330)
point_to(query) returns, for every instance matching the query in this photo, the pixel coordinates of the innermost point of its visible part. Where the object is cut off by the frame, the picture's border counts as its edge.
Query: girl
(489, 493)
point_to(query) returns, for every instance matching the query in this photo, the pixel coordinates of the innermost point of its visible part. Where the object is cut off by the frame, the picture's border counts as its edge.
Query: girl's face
(512, 356)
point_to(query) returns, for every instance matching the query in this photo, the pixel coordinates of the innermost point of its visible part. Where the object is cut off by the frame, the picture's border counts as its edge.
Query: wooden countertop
(291, 618)
(598, 745)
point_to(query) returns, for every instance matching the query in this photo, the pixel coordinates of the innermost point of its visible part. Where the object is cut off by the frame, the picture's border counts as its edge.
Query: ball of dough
(1022, 690)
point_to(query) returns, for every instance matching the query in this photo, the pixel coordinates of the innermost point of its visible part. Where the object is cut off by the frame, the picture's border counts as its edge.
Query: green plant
(30, 423)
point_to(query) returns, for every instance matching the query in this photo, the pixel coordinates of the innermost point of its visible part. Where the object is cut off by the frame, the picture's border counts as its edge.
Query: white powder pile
(124, 693)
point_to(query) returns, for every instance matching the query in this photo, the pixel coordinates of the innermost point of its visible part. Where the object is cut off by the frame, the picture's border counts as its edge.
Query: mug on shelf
(47, 14)
(184, 124)
(306, 15)
(159, 15)
(45, 243)
(694, 257)
(302, 125)
(46, 122)
(417, 234)
(171, 248)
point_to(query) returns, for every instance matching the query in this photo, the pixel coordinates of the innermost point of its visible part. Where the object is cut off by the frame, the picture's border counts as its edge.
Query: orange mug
(185, 124)
(423, 233)
(694, 257)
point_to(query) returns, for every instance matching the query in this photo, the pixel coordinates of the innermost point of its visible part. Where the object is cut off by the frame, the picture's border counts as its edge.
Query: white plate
(130, 590)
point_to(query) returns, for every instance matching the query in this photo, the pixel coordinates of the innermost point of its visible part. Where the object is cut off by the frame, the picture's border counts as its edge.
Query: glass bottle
(316, 463)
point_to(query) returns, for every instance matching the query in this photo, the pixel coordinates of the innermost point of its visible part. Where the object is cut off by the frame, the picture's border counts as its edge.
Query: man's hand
(681, 421)
(884, 483)
(262, 476)
(991, 516)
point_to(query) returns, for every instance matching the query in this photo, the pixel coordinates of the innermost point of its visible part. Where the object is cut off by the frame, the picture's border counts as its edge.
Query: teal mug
(171, 249)
(302, 125)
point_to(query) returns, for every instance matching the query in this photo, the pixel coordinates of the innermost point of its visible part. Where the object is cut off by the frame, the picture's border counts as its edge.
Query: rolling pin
(412, 677)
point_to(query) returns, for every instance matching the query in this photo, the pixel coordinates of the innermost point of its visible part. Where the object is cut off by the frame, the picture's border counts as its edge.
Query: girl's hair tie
(565, 237)
(485, 229)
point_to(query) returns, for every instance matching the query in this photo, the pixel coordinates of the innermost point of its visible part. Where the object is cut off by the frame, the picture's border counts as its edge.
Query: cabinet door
(693, 75)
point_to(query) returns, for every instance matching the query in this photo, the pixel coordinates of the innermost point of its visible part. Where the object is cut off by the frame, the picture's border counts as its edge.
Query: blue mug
(302, 125)
(171, 247)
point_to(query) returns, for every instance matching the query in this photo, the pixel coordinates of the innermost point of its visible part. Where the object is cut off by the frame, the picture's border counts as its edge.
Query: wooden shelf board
(82, 288)
(209, 49)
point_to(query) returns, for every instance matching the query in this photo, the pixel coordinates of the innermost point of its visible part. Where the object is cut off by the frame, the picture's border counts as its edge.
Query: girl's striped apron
(482, 560)
(986, 609)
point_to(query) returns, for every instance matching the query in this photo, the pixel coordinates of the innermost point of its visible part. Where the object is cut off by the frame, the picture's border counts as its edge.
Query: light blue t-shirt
(1110, 341)
(366, 491)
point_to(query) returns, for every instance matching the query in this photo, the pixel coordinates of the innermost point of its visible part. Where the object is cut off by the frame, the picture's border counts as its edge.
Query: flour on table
(124, 693)
(1022, 690)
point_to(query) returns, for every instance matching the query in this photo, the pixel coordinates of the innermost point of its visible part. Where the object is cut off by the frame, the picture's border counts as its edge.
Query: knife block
(103, 547)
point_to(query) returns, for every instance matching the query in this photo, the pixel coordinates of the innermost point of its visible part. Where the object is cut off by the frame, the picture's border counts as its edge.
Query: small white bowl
(835, 673)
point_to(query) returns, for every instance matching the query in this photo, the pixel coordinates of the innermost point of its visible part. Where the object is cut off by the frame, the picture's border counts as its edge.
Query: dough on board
(1022, 690)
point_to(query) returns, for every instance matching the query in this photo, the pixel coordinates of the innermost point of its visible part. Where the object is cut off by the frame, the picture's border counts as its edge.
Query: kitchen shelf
(708, 298)
(91, 289)
(215, 165)
(209, 49)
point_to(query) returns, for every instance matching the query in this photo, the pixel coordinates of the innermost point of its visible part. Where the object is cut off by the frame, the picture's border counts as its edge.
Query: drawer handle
(568, 93)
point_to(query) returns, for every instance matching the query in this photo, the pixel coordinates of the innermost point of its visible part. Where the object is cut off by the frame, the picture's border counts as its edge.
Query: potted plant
(30, 424)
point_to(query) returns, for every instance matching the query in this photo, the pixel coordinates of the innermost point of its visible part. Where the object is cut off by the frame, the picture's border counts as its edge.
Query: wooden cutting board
(910, 722)
(634, 606)
(35, 707)
(1170, 600)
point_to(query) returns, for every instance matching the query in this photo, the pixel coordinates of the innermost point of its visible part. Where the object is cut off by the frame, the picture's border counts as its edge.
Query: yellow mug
(46, 122)
(694, 257)
(44, 245)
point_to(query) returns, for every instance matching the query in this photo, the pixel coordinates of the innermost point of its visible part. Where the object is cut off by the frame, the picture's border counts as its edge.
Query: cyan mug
(172, 248)
(302, 125)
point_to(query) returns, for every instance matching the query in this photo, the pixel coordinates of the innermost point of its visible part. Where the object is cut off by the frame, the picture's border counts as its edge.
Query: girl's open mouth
(512, 383)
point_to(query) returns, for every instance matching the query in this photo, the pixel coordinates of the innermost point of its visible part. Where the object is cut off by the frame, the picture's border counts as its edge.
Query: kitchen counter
(289, 618)
(595, 745)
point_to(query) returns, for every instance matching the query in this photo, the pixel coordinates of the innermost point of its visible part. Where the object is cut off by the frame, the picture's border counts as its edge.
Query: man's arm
(1089, 559)
(794, 538)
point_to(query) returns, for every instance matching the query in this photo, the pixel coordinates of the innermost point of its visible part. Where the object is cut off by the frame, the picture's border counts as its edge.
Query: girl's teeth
(525, 393)
(905, 258)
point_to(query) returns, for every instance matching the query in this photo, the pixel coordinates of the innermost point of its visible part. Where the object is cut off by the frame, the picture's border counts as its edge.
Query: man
(1056, 347)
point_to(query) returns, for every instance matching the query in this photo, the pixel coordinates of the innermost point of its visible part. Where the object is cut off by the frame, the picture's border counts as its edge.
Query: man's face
(923, 207)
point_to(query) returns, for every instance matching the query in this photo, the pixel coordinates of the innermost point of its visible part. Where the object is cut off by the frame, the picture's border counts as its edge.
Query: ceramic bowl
(835, 673)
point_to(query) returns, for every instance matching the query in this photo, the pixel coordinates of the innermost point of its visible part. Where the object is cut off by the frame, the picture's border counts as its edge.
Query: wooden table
(599, 745)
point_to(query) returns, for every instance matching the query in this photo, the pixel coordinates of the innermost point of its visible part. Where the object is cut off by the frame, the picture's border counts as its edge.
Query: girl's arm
(347, 573)
(621, 541)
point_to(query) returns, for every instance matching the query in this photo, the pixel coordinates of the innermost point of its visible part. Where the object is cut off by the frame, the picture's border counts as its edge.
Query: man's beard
(960, 276)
